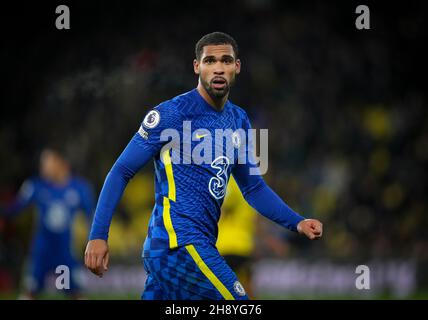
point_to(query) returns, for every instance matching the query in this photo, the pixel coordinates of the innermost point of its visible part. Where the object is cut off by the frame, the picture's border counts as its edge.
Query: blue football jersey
(195, 149)
(189, 185)
(56, 208)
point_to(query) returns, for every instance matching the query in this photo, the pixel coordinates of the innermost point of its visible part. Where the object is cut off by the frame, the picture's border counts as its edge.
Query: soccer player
(179, 254)
(58, 196)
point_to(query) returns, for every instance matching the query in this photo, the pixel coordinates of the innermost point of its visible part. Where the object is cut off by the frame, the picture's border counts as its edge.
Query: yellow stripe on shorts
(208, 273)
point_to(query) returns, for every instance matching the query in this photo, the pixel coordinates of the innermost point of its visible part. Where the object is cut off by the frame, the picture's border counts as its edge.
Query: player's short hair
(215, 38)
(57, 149)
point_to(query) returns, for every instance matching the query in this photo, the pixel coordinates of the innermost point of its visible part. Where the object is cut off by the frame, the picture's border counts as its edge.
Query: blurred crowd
(345, 109)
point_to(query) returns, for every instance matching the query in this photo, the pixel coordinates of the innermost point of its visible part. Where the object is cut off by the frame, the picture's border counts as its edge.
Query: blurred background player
(58, 196)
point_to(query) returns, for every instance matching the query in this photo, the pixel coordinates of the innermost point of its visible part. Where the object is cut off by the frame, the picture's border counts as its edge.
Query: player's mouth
(219, 83)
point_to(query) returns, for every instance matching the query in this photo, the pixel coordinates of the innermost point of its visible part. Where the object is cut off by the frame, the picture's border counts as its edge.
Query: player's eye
(209, 60)
(228, 60)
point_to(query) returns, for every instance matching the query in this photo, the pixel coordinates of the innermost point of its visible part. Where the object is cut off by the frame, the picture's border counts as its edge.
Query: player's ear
(196, 66)
(238, 66)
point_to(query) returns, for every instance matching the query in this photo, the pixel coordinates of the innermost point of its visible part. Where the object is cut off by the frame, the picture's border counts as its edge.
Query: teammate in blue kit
(179, 252)
(58, 196)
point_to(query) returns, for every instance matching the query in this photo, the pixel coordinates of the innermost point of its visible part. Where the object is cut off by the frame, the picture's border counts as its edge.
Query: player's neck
(217, 104)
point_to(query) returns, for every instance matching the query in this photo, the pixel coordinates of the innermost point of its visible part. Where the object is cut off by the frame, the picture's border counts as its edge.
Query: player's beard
(217, 93)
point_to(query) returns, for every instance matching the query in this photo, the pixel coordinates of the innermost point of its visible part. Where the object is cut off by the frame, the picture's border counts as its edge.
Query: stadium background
(346, 112)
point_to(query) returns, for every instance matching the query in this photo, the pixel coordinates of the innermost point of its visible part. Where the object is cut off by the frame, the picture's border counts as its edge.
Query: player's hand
(97, 256)
(311, 228)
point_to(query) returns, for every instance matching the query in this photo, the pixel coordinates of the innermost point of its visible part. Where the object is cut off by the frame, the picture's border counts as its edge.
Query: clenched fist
(97, 256)
(311, 228)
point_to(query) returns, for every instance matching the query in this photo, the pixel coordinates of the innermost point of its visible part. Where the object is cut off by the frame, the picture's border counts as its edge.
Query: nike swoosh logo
(200, 136)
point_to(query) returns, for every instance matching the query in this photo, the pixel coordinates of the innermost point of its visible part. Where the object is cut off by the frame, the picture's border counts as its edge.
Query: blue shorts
(191, 272)
(41, 267)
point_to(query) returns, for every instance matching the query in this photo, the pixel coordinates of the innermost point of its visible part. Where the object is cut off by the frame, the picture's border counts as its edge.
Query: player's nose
(218, 70)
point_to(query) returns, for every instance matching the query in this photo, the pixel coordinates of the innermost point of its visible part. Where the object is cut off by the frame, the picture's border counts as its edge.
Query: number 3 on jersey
(217, 185)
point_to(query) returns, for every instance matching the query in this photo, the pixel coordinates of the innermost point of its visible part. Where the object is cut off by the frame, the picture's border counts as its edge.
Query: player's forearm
(110, 195)
(132, 159)
(269, 204)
